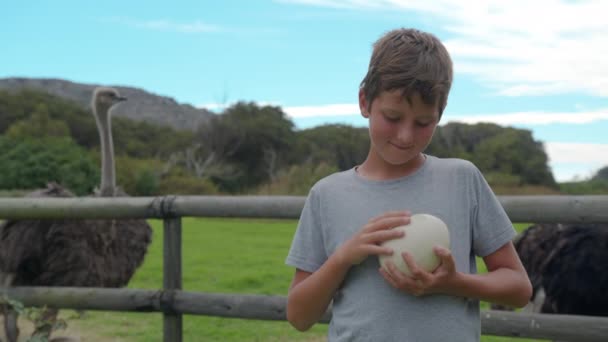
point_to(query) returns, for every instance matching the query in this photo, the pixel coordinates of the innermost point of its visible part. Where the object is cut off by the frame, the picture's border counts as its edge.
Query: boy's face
(399, 129)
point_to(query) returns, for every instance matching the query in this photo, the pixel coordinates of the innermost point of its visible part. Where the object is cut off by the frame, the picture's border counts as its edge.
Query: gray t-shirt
(366, 307)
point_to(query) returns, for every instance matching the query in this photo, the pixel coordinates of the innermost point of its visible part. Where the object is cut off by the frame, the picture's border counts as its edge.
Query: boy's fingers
(391, 214)
(384, 235)
(379, 250)
(401, 278)
(441, 252)
(444, 254)
(388, 277)
(387, 223)
(409, 260)
(394, 271)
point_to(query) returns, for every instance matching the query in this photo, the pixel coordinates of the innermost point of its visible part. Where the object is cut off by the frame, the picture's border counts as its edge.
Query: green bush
(138, 177)
(297, 180)
(186, 185)
(589, 187)
(146, 183)
(31, 163)
(502, 179)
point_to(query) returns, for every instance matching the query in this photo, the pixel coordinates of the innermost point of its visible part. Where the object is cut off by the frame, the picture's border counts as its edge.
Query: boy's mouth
(401, 147)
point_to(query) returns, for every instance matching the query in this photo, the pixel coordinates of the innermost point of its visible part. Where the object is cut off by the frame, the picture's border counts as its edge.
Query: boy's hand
(422, 282)
(367, 241)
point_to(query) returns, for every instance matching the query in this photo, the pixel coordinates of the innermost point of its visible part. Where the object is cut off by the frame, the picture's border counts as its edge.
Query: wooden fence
(173, 302)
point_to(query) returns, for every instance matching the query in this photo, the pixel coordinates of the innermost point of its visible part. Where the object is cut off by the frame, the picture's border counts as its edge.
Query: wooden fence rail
(520, 208)
(502, 323)
(173, 302)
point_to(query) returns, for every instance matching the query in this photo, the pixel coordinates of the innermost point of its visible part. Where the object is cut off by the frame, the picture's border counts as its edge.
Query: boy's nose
(405, 135)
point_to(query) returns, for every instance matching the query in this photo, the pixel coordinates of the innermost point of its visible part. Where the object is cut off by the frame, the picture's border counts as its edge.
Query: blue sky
(539, 65)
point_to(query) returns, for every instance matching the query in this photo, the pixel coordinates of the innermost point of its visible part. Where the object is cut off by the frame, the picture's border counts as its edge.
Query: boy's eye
(422, 124)
(392, 118)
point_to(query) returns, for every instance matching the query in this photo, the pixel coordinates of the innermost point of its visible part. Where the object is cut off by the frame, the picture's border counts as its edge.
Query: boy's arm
(505, 283)
(311, 293)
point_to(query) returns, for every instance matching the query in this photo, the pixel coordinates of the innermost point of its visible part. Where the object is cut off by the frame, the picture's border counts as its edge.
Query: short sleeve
(492, 228)
(307, 250)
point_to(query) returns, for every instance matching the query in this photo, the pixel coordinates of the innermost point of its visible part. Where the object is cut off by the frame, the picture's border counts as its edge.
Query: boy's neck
(379, 170)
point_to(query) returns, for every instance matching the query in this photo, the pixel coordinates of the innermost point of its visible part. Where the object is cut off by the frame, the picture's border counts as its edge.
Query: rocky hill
(141, 105)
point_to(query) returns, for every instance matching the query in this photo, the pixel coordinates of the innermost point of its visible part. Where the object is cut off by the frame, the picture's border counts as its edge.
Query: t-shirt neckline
(415, 174)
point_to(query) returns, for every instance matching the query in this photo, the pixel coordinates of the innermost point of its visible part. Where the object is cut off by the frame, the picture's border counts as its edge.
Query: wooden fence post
(172, 277)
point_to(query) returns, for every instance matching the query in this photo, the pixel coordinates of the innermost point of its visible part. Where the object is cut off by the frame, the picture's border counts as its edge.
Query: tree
(340, 145)
(31, 163)
(515, 152)
(601, 174)
(244, 146)
(38, 125)
(508, 154)
(459, 140)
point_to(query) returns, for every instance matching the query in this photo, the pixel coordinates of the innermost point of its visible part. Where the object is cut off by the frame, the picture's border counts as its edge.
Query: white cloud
(519, 47)
(218, 107)
(168, 25)
(533, 118)
(323, 110)
(575, 161)
(568, 172)
(214, 106)
(528, 118)
(561, 152)
(297, 112)
(329, 3)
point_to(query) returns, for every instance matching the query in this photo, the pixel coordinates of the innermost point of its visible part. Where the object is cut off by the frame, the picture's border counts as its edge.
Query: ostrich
(82, 253)
(574, 276)
(533, 246)
(566, 265)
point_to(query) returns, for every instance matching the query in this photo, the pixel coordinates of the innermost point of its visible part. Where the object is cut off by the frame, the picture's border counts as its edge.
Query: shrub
(31, 163)
(186, 185)
(297, 180)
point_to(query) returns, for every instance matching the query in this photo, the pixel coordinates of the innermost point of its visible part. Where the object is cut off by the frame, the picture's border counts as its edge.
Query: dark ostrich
(566, 265)
(81, 253)
(533, 246)
(574, 275)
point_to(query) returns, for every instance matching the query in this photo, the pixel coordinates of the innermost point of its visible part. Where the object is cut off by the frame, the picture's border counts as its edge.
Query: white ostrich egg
(422, 234)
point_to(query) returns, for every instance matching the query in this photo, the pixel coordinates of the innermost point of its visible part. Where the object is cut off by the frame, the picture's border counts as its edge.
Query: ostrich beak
(121, 98)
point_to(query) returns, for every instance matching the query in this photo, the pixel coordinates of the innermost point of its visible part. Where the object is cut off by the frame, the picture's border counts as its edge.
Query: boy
(348, 215)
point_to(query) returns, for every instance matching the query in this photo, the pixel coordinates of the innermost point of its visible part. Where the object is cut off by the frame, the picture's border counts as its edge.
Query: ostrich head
(103, 100)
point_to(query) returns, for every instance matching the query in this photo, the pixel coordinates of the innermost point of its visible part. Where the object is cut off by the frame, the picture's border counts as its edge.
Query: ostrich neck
(108, 174)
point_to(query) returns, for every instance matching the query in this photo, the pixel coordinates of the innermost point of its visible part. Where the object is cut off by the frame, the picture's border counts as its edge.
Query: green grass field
(219, 255)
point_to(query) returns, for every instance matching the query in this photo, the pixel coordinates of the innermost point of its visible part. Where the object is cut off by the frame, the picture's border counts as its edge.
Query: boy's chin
(408, 160)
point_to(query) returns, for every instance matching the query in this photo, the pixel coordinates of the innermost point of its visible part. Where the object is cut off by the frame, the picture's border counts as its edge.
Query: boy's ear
(363, 104)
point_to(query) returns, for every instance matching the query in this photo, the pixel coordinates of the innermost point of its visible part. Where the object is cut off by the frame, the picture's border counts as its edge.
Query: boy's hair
(412, 60)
